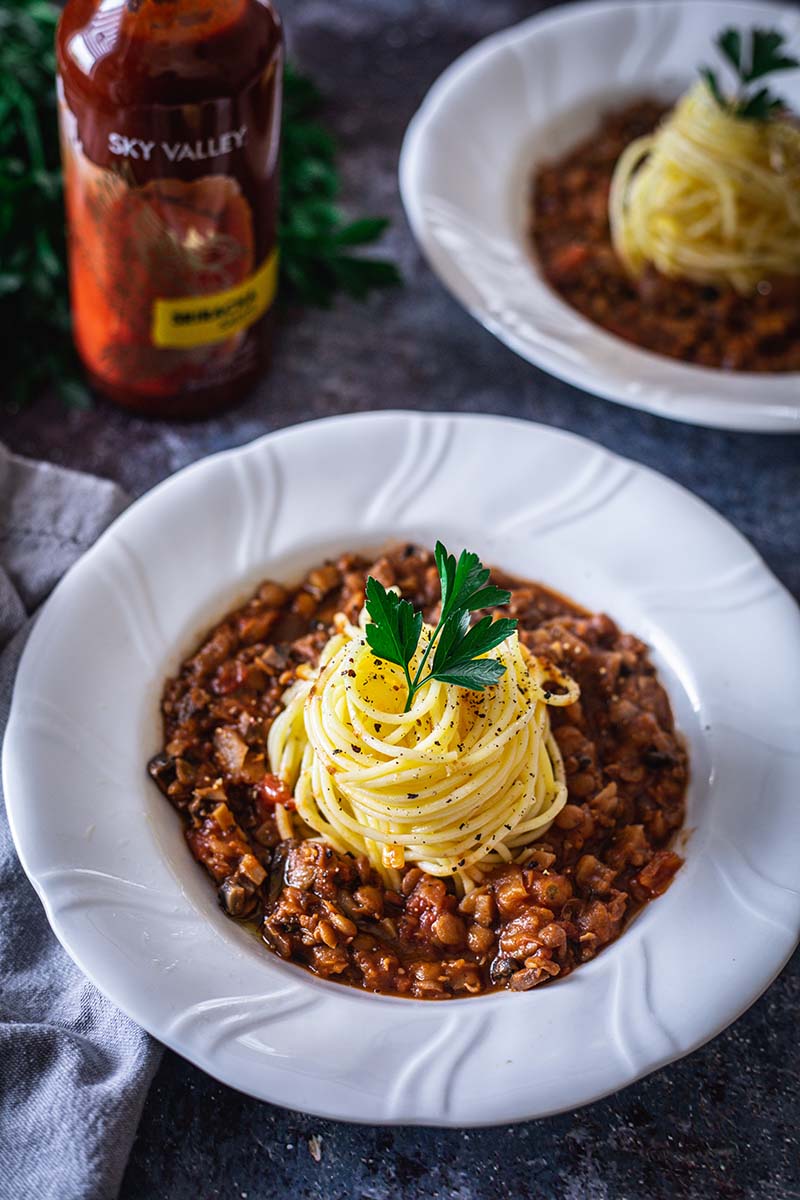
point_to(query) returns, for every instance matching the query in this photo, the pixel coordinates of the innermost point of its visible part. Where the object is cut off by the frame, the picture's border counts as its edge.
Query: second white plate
(529, 94)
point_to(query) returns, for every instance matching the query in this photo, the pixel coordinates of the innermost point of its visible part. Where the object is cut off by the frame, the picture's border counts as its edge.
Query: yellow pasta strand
(710, 197)
(462, 781)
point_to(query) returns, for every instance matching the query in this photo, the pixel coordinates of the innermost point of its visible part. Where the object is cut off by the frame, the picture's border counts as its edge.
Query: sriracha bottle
(170, 133)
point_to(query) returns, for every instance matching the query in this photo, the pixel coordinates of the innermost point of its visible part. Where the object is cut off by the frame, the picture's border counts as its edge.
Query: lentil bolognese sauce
(521, 923)
(708, 325)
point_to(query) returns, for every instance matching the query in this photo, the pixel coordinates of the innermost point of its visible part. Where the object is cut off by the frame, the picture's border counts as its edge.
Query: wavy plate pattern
(589, 490)
(260, 493)
(54, 724)
(740, 586)
(426, 1081)
(131, 907)
(83, 888)
(124, 575)
(241, 1018)
(424, 451)
(525, 95)
(752, 890)
(636, 1028)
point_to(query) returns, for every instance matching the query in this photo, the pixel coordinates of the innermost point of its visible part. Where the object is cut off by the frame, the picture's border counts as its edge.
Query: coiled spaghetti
(710, 197)
(462, 781)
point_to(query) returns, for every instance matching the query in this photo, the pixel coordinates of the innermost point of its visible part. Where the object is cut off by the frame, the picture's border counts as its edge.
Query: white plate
(107, 855)
(529, 94)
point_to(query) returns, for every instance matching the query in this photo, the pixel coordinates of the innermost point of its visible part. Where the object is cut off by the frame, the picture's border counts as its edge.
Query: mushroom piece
(235, 900)
(161, 769)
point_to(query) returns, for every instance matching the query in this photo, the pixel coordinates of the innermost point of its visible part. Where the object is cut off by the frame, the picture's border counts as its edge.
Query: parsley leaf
(468, 643)
(463, 583)
(766, 54)
(458, 648)
(763, 55)
(730, 44)
(760, 106)
(475, 674)
(395, 628)
(713, 86)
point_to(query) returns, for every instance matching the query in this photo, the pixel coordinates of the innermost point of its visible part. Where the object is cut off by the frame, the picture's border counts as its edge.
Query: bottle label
(203, 320)
(172, 214)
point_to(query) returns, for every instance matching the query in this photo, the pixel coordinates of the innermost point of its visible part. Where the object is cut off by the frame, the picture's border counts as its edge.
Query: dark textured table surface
(722, 1123)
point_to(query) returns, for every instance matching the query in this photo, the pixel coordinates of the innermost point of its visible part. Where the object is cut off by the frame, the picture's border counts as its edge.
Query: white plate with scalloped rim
(529, 94)
(107, 855)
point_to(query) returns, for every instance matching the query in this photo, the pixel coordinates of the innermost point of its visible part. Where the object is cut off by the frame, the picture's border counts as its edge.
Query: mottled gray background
(722, 1123)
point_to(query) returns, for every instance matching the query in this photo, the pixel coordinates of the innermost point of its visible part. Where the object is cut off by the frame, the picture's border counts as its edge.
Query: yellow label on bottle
(201, 320)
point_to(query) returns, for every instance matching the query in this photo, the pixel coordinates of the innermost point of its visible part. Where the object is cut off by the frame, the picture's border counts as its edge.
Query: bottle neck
(128, 52)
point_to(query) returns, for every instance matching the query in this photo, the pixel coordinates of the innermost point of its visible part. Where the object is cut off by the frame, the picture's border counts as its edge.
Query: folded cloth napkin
(74, 1071)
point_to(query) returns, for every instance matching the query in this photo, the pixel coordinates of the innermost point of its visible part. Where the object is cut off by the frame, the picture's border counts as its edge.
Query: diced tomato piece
(230, 676)
(271, 791)
(568, 259)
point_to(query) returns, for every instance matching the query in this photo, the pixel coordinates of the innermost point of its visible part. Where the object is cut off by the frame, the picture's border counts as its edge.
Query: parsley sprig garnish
(752, 57)
(395, 626)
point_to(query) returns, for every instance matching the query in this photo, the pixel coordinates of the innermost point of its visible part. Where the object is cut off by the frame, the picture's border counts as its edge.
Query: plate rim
(775, 417)
(206, 1060)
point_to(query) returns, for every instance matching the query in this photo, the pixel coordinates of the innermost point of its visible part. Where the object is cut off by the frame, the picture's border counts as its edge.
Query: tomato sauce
(608, 852)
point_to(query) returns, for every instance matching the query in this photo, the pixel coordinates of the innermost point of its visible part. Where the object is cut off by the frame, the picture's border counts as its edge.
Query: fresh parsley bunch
(34, 307)
(317, 244)
(752, 57)
(394, 629)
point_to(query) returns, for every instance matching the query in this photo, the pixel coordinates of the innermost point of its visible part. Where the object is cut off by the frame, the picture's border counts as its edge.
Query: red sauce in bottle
(170, 124)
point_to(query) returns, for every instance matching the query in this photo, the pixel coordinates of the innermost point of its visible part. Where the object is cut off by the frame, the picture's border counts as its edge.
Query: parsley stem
(424, 658)
(412, 687)
(416, 684)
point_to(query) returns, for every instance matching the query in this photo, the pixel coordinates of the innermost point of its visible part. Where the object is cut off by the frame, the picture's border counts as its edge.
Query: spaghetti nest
(710, 197)
(462, 781)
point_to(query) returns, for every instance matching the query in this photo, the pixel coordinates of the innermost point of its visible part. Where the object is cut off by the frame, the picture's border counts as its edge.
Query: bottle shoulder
(123, 53)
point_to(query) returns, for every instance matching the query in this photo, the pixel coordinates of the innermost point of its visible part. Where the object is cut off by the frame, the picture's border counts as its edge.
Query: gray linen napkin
(74, 1071)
